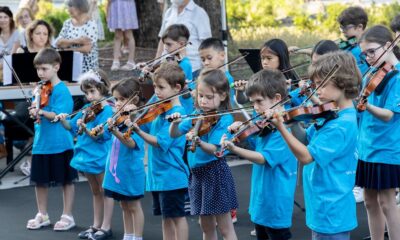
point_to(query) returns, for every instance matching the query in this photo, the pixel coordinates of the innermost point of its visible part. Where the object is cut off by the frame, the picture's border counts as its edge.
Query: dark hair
(6, 10)
(32, 26)
(213, 43)
(395, 24)
(127, 88)
(216, 80)
(176, 32)
(103, 86)
(381, 35)
(279, 48)
(353, 15)
(172, 73)
(324, 46)
(47, 56)
(346, 78)
(81, 5)
(267, 83)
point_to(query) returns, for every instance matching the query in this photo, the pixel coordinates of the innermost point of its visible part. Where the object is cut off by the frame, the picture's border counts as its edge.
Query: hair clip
(90, 75)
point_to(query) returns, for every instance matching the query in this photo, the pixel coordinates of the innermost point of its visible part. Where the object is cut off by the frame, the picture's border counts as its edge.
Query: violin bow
(167, 54)
(92, 105)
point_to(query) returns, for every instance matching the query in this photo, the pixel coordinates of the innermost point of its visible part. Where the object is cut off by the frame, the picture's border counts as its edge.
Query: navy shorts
(263, 233)
(120, 197)
(169, 204)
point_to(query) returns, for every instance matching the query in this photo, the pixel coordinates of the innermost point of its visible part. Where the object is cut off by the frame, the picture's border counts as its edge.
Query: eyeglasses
(347, 27)
(369, 53)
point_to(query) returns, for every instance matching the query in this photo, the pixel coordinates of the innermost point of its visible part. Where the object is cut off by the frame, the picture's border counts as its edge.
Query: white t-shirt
(197, 21)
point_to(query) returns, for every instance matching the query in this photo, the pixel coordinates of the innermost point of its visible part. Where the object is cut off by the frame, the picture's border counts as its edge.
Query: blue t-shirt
(232, 90)
(52, 138)
(90, 155)
(273, 184)
(187, 103)
(328, 181)
(199, 157)
(166, 169)
(125, 168)
(377, 139)
(296, 98)
(361, 64)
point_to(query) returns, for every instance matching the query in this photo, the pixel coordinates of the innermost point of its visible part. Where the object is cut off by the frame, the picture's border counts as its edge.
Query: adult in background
(23, 17)
(196, 20)
(79, 33)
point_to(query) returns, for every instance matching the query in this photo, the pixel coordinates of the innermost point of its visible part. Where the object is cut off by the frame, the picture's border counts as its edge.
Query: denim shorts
(335, 236)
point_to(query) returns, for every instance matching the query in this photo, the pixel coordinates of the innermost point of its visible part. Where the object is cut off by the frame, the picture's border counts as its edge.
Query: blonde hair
(20, 12)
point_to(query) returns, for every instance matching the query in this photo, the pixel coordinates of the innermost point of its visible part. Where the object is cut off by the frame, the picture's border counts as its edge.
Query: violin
(305, 113)
(90, 113)
(200, 128)
(42, 96)
(306, 88)
(347, 44)
(149, 115)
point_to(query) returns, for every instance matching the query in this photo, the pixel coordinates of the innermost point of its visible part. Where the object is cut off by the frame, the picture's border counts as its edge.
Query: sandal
(39, 221)
(65, 223)
(101, 234)
(85, 234)
(129, 66)
(115, 66)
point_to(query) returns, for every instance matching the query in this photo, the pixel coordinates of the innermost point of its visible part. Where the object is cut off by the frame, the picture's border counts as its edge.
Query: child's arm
(174, 131)
(253, 156)
(62, 118)
(150, 139)
(126, 141)
(380, 113)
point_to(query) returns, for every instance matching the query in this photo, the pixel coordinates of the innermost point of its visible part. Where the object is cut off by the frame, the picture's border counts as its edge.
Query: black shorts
(169, 204)
(120, 197)
(263, 233)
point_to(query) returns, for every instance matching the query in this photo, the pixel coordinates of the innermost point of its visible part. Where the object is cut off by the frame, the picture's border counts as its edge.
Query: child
(379, 159)
(90, 152)
(353, 21)
(167, 175)
(174, 37)
(275, 55)
(122, 17)
(207, 198)
(330, 155)
(273, 164)
(395, 25)
(52, 145)
(124, 178)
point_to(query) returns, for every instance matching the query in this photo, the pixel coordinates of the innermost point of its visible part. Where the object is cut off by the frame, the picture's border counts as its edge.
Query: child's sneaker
(253, 233)
(129, 66)
(234, 215)
(25, 168)
(115, 66)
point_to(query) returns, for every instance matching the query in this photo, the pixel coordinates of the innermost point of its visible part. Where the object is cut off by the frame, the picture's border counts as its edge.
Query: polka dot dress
(89, 29)
(212, 189)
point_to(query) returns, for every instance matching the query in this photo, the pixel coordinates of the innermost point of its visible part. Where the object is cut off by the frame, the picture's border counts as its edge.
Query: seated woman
(23, 18)
(38, 35)
(79, 33)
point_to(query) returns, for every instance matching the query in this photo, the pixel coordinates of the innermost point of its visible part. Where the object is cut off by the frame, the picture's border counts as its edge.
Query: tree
(149, 15)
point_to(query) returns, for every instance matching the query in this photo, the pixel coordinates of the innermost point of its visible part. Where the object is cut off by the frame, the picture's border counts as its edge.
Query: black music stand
(253, 58)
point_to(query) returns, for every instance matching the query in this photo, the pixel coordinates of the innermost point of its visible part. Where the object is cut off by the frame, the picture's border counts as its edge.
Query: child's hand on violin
(225, 143)
(293, 49)
(130, 107)
(110, 122)
(175, 118)
(240, 85)
(60, 117)
(33, 112)
(128, 122)
(289, 82)
(275, 117)
(81, 124)
(234, 127)
(191, 136)
(98, 130)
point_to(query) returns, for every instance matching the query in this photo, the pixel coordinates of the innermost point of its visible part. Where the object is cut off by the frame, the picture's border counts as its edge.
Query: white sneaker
(253, 233)
(398, 198)
(25, 168)
(358, 194)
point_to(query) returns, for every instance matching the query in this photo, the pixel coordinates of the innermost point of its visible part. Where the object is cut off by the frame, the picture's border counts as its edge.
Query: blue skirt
(212, 189)
(378, 176)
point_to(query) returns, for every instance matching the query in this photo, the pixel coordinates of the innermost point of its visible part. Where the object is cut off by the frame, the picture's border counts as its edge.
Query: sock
(129, 237)
(137, 238)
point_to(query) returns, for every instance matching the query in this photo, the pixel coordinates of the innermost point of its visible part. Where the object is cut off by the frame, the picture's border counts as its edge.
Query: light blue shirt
(199, 157)
(52, 138)
(273, 184)
(329, 179)
(362, 65)
(232, 90)
(125, 168)
(378, 139)
(296, 99)
(187, 103)
(166, 169)
(90, 155)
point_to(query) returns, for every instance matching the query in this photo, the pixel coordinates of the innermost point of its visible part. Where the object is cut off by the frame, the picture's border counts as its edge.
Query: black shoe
(85, 234)
(101, 234)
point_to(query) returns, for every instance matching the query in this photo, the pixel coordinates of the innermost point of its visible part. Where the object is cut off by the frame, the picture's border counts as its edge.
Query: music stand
(253, 58)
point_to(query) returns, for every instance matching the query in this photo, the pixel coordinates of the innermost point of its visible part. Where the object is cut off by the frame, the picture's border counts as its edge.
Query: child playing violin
(328, 150)
(52, 145)
(124, 178)
(167, 175)
(274, 166)
(207, 198)
(90, 152)
(379, 157)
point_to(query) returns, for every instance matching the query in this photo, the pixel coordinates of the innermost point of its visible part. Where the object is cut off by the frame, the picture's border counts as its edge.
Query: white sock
(137, 238)
(129, 237)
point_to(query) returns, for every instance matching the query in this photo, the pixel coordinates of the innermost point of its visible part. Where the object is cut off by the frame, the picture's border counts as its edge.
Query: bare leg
(136, 210)
(387, 201)
(108, 212)
(118, 38)
(225, 226)
(208, 225)
(128, 219)
(41, 199)
(95, 182)
(376, 219)
(168, 229)
(68, 197)
(181, 228)
(128, 35)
